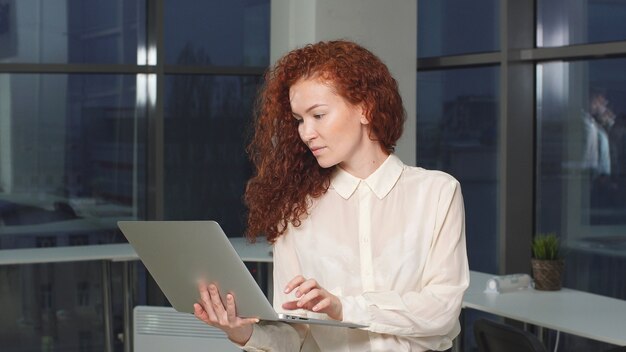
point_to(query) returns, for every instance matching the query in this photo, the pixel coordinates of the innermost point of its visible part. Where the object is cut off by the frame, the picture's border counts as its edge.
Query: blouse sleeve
(278, 336)
(434, 310)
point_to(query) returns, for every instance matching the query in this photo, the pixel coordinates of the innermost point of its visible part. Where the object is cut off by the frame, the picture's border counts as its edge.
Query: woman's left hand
(311, 296)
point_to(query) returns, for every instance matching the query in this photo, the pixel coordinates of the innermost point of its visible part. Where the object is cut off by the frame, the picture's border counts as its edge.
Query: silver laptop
(180, 253)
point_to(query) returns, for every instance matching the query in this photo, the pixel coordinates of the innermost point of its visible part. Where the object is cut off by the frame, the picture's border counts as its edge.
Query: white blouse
(392, 248)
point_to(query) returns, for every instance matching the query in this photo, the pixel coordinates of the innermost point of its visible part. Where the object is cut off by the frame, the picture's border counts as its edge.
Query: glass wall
(451, 27)
(51, 307)
(206, 115)
(220, 33)
(581, 114)
(71, 31)
(206, 168)
(569, 22)
(581, 119)
(72, 161)
(78, 110)
(576, 107)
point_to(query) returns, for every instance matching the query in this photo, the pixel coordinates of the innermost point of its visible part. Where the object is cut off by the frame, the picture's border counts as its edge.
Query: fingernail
(316, 308)
(286, 289)
(298, 294)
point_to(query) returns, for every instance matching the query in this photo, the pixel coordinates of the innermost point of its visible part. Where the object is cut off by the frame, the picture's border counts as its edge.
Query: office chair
(492, 336)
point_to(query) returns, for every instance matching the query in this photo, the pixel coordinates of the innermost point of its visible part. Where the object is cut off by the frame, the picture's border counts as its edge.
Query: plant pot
(547, 274)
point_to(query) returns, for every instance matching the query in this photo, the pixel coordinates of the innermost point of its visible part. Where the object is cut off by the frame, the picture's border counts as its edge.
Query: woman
(358, 236)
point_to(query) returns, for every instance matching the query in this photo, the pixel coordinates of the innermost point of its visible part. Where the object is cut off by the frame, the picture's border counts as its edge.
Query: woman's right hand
(210, 310)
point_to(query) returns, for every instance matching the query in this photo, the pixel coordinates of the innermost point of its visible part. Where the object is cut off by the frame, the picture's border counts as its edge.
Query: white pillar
(387, 28)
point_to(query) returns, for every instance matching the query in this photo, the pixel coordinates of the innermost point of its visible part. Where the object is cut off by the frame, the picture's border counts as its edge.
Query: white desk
(257, 252)
(580, 313)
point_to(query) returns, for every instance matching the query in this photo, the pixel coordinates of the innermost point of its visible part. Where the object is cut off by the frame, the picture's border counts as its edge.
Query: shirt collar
(380, 181)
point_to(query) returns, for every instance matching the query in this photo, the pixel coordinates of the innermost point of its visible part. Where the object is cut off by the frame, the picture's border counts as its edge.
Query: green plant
(546, 247)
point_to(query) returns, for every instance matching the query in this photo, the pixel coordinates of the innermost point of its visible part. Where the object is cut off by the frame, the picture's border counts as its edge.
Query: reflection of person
(596, 154)
(617, 139)
(358, 236)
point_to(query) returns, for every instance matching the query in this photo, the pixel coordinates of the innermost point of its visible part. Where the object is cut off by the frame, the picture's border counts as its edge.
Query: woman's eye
(318, 116)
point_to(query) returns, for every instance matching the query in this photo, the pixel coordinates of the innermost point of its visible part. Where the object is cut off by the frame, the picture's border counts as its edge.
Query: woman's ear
(363, 112)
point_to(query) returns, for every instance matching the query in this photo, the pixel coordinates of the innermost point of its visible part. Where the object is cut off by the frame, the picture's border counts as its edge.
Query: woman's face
(335, 131)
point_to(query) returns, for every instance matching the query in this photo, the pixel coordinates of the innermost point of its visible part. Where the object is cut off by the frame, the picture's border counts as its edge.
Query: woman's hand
(311, 296)
(210, 310)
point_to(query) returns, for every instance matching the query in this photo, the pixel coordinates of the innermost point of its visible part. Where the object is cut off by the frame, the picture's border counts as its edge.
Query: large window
(71, 159)
(206, 120)
(559, 126)
(97, 125)
(220, 33)
(568, 22)
(581, 165)
(71, 31)
(451, 27)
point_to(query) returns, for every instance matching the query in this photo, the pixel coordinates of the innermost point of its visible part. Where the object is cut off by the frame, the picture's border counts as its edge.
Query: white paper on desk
(508, 283)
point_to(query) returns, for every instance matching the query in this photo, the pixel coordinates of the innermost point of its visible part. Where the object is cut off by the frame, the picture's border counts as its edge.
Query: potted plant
(547, 262)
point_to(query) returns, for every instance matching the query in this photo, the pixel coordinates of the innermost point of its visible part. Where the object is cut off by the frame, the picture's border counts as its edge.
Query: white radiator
(164, 329)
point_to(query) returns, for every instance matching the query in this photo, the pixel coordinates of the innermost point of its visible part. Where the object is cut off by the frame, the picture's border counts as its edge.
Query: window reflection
(206, 167)
(450, 27)
(70, 161)
(581, 156)
(221, 33)
(568, 22)
(71, 31)
(51, 307)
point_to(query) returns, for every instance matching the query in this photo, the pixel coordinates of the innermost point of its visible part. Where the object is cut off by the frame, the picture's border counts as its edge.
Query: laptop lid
(179, 253)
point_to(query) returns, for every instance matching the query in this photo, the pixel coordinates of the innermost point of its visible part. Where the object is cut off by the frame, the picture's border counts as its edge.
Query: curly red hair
(287, 173)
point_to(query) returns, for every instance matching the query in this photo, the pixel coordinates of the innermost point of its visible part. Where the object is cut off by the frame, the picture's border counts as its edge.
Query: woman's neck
(362, 166)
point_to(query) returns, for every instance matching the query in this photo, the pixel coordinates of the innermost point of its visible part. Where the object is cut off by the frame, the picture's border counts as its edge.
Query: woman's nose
(307, 131)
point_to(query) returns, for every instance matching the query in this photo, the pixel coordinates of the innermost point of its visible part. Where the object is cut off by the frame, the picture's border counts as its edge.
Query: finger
(231, 309)
(291, 305)
(321, 305)
(306, 286)
(205, 302)
(200, 313)
(217, 305)
(310, 298)
(231, 312)
(203, 291)
(295, 282)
